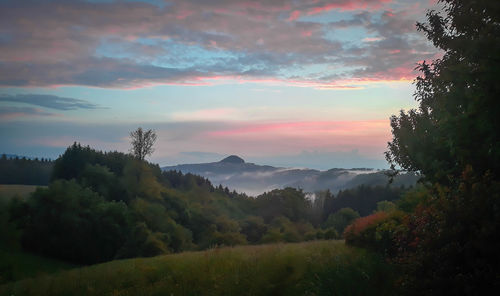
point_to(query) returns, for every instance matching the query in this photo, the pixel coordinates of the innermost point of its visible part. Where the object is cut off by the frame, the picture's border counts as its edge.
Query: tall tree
(142, 142)
(456, 124)
(453, 140)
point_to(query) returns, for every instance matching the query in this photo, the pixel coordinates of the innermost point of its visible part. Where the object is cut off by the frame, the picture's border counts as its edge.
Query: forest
(101, 206)
(438, 238)
(15, 170)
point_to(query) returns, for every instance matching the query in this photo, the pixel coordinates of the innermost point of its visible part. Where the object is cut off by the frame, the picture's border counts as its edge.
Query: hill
(23, 191)
(314, 268)
(254, 179)
(103, 206)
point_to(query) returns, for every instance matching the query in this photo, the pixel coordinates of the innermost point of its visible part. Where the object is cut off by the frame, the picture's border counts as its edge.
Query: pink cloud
(59, 44)
(306, 33)
(308, 127)
(294, 15)
(215, 114)
(370, 137)
(184, 14)
(372, 39)
(348, 5)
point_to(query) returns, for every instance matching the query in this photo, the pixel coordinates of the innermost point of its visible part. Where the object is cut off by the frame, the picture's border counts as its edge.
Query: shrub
(376, 232)
(340, 219)
(331, 233)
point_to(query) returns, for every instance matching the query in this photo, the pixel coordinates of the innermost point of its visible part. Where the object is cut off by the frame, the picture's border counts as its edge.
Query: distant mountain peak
(233, 159)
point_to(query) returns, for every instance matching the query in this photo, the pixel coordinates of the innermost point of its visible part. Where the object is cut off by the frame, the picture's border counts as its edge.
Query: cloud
(127, 44)
(324, 6)
(49, 101)
(251, 140)
(319, 132)
(9, 113)
(323, 160)
(208, 115)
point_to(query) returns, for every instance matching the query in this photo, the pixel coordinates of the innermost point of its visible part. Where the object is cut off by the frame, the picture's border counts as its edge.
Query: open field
(312, 268)
(15, 264)
(23, 191)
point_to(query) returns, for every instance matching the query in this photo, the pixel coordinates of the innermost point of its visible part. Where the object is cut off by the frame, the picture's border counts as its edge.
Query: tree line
(25, 171)
(101, 206)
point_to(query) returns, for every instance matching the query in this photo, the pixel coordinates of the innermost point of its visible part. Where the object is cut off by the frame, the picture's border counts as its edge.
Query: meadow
(308, 268)
(23, 191)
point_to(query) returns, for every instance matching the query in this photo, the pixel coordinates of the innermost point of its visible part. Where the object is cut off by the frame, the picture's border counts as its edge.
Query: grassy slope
(8, 191)
(313, 268)
(16, 265)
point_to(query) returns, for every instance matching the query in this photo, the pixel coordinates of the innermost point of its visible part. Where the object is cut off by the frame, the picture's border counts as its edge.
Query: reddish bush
(377, 232)
(361, 224)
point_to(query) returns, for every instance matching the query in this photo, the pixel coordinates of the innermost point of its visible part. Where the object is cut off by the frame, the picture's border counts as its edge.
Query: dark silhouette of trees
(340, 219)
(453, 140)
(362, 199)
(25, 171)
(142, 142)
(456, 124)
(72, 223)
(101, 206)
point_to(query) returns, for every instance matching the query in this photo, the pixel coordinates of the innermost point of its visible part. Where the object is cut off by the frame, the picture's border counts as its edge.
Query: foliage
(454, 239)
(456, 124)
(72, 163)
(102, 206)
(340, 219)
(72, 223)
(451, 242)
(106, 205)
(362, 199)
(25, 171)
(412, 198)
(253, 228)
(377, 232)
(289, 202)
(142, 142)
(385, 206)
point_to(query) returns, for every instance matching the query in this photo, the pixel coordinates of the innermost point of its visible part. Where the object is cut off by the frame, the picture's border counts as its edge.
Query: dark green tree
(452, 139)
(456, 124)
(340, 219)
(72, 223)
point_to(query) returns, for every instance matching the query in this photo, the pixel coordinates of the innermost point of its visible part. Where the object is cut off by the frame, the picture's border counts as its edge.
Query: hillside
(105, 206)
(314, 268)
(254, 179)
(23, 191)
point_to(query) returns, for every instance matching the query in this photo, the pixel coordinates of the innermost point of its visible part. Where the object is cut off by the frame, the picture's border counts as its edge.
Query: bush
(331, 233)
(72, 223)
(340, 219)
(376, 232)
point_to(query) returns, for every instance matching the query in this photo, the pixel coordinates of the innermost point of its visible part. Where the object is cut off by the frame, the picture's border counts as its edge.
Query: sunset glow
(260, 79)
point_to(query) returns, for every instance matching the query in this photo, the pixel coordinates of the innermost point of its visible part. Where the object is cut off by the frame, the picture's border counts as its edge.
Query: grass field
(312, 268)
(15, 264)
(9, 191)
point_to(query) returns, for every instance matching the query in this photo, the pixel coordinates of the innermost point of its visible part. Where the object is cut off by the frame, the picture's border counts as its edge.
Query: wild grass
(17, 265)
(311, 268)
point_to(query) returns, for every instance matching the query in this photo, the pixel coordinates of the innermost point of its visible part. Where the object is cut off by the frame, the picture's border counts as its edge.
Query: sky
(285, 82)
